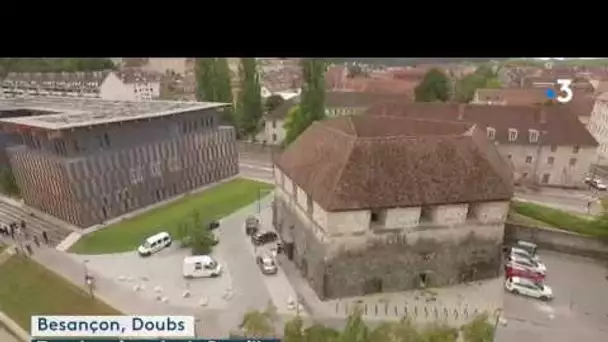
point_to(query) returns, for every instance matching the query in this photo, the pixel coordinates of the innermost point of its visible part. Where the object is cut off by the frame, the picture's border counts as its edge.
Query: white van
(201, 266)
(154, 244)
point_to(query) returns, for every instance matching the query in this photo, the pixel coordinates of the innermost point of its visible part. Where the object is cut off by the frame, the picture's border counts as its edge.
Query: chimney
(543, 115)
(461, 109)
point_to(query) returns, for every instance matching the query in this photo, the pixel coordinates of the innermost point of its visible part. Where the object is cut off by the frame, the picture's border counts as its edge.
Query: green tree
(355, 330)
(258, 324)
(8, 183)
(273, 102)
(213, 84)
(293, 331)
(54, 64)
(403, 330)
(196, 235)
(483, 77)
(438, 333)
(435, 86)
(478, 330)
(312, 99)
(320, 333)
(249, 105)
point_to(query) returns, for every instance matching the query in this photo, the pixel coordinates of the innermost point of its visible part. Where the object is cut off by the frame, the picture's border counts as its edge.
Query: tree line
(259, 324)
(214, 85)
(436, 86)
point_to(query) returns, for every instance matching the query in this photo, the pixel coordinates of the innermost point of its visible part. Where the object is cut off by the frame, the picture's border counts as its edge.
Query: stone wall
(386, 265)
(557, 240)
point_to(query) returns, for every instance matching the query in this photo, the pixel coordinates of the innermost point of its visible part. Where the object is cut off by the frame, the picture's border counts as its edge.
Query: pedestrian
(36, 241)
(45, 237)
(29, 249)
(12, 229)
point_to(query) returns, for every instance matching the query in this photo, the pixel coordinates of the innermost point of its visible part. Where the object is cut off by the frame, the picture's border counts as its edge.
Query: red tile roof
(560, 124)
(363, 162)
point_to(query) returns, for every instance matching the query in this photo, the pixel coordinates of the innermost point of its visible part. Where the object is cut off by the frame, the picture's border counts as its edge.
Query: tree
(293, 331)
(258, 324)
(213, 84)
(478, 330)
(483, 77)
(403, 330)
(435, 86)
(320, 333)
(312, 100)
(8, 183)
(273, 102)
(54, 64)
(438, 333)
(196, 235)
(249, 105)
(356, 330)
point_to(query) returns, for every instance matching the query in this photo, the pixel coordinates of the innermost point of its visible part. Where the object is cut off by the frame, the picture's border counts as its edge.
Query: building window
(553, 148)
(533, 135)
(550, 160)
(426, 214)
(274, 137)
(377, 217)
(471, 212)
(512, 134)
(491, 133)
(545, 179)
(106, 140)
(528, 159)
(274, 123)
(575, 149)
(572, 161)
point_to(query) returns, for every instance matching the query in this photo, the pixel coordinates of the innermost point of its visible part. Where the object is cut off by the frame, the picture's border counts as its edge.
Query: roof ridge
(351, 144)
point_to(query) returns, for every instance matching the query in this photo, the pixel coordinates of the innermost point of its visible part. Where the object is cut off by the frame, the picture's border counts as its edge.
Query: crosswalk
(35, 224)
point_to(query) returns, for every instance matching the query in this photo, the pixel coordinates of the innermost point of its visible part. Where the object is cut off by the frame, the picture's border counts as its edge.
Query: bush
(195, 234)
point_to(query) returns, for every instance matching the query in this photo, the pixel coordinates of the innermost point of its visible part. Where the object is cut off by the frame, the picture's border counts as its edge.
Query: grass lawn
(211, 204)
(559, 219)
(28, 288)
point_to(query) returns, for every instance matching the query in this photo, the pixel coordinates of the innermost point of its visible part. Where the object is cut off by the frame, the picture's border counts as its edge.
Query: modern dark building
(89, 160)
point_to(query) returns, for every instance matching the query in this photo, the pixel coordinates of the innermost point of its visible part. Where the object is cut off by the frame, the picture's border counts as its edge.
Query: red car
(522, 272)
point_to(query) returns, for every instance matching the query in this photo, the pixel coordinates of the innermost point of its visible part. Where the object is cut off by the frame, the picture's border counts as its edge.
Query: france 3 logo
(564, 94)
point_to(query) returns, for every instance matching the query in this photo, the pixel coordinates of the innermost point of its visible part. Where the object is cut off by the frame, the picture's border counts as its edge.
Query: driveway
(578, 313)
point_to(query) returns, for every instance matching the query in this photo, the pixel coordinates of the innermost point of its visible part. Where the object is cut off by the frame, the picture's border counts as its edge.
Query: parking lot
(579, 311)
(241, 287)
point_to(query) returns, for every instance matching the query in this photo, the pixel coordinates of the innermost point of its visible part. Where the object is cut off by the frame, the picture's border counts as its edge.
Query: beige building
(598, 126)
(336, 104)
(383, 204)
(545, 145)
(130, 85)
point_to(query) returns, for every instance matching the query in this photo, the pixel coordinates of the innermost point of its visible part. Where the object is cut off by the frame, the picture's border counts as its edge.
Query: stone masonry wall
(386, 266)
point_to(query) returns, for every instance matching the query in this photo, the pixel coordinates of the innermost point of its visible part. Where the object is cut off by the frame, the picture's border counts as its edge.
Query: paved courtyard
(241, 287)
(579, 311)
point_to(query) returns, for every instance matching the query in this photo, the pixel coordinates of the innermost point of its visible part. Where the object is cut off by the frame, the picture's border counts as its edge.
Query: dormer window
(512, 134)
(491, 133)
(533, 135)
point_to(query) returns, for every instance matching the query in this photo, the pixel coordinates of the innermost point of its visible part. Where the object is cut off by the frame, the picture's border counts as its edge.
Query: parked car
(267, 264)
(514, 259)
(262, 238)
(524, 253)
(529, 247)
(513, 270)
(154, 244)
(252, 224)
(201, 266)
(596, 183)
(528, 287)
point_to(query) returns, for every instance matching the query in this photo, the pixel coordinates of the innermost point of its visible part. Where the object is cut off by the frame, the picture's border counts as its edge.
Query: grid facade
(88, 176)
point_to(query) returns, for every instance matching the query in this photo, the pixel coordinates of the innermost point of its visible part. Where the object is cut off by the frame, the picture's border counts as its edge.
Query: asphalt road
(579, 311)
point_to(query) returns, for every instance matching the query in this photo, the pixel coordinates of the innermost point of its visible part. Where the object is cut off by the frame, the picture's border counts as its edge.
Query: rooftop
(366, 162)
(82, 112)
(557, 124)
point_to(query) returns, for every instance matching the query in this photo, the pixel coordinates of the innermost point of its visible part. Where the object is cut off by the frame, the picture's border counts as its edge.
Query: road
(579, 311)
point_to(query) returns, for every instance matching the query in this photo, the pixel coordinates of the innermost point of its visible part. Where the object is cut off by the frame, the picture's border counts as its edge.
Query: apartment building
(89, 160)
(130, 85)
(598, 126)
(383, 204)
(545, 145)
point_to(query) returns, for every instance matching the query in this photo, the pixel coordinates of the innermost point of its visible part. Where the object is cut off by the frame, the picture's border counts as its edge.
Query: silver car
(267, 264)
